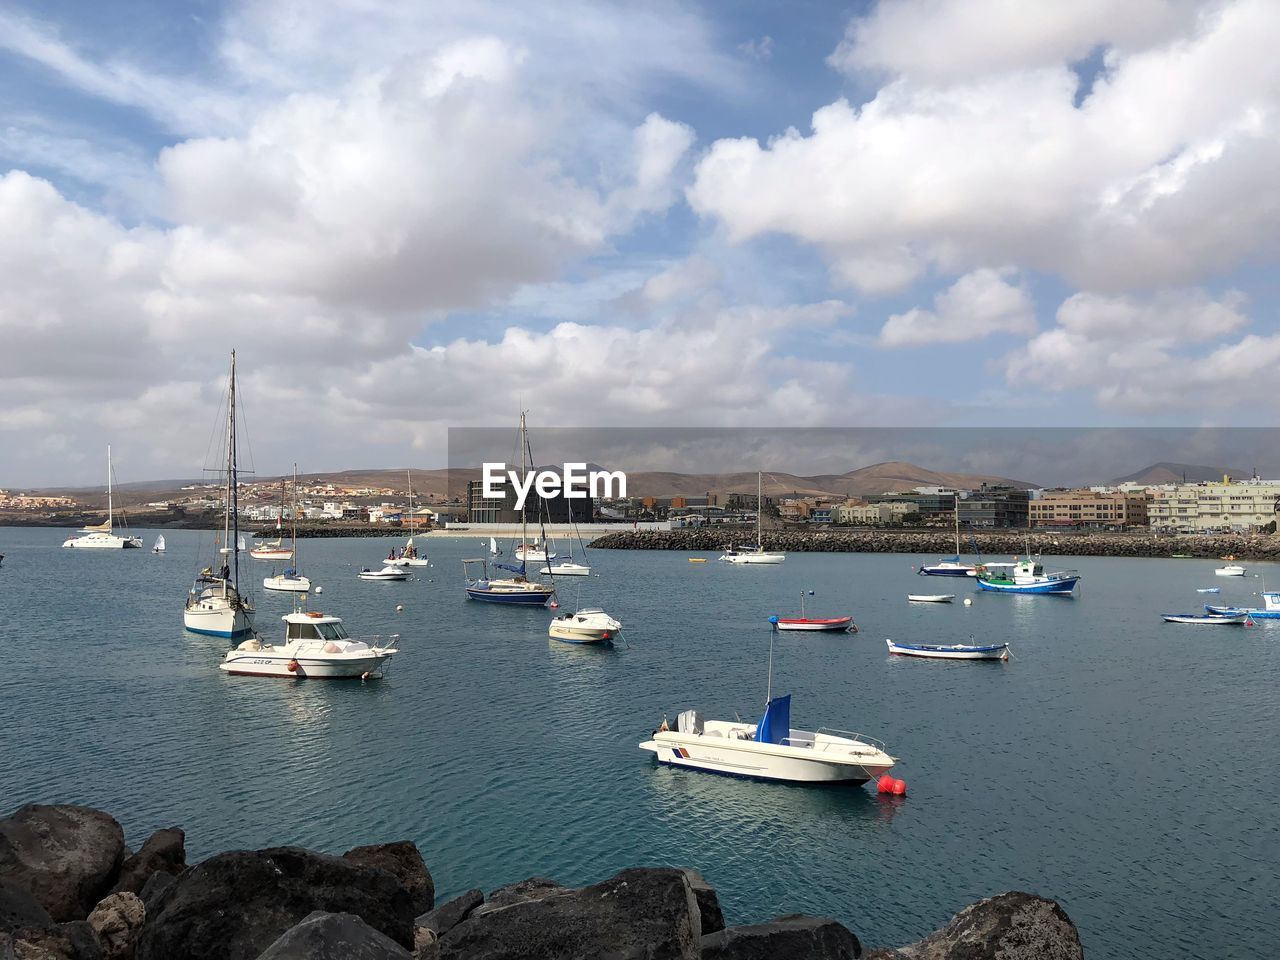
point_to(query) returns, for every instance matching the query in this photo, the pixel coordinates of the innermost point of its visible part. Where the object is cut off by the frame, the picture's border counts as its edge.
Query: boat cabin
(306, 626)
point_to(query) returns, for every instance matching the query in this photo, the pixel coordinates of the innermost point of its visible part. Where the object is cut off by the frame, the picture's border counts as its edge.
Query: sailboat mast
(957, 523)
(233, 485)
(110, 507)
(524, 515)
(759, 507)
(294, 532)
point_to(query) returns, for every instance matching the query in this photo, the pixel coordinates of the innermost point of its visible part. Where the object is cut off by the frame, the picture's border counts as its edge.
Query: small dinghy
(930, 597)
(159, 547)
(386, 573)
(1225, 619)
(954, 651)
(1230, 570)
(1208, 589)
(814, 624)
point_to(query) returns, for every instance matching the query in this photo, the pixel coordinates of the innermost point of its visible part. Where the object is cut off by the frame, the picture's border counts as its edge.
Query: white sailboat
(566, 567)
(409, 555)
(100, 536)
(159, 547)
(951, 566)
(214, 605)
(290, 581)
(757, 553)
(274, 549)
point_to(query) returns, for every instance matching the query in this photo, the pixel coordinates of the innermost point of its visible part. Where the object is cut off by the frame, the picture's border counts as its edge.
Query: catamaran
(951, 566)
(518, 589)
(757, 553)
(100, 536)
(290, 581)
(409, 556)
(214, 604)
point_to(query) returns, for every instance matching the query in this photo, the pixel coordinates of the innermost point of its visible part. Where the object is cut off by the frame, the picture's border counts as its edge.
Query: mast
(412, 525)
(957, 524)
(232, 522)
(110, 508)
(524, 514)
(759, 509)
(293, 537)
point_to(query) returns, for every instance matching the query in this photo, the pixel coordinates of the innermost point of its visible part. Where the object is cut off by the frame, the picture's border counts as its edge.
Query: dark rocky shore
(942, 543)
(71, 890)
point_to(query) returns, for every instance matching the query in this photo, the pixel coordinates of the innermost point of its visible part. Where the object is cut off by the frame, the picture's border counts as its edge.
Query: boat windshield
(332, 631)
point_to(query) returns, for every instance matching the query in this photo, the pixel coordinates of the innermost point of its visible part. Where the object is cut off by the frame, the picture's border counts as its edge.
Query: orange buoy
(885, 783)
(292, 666)
(554, 605)
(899, 788)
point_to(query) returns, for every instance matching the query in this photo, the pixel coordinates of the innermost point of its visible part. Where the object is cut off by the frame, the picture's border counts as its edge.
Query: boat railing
(859, 737)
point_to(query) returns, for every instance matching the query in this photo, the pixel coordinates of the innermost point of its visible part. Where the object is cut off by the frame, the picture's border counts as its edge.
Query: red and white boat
(806, 622)
(815, 623)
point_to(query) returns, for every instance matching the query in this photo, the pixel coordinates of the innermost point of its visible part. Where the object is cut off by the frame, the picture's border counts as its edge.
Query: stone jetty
(71, 890)
(942, 543)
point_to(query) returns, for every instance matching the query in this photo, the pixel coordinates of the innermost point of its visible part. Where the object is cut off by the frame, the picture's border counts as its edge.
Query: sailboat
(159, 547)
(99, 536)
(408, 555)
(274, 549)
(518, 589)
(566, 567)
(290, 581)
(757, 553)
(214, 605)
(950, 567)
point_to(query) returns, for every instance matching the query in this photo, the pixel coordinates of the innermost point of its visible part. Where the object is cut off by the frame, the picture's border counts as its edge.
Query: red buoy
(899, 788)
(292, 666)
(885, 783)
(554, 605)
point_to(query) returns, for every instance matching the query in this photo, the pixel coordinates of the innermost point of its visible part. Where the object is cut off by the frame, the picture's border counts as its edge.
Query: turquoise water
(1124, 766)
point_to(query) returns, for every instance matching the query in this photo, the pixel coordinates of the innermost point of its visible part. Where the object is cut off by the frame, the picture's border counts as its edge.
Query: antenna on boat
(768, 690)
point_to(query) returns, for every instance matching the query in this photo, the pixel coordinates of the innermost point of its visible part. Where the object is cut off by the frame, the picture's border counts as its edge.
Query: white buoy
(319, 589)
(399, 607)
(968, 601)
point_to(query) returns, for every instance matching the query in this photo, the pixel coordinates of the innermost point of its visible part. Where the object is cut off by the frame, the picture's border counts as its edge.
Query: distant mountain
(1176, 473)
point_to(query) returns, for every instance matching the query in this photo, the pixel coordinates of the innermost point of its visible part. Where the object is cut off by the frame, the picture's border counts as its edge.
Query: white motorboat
(954, 651)
(770, 749)
(100, 536)
(1230, 570)
(316, 646)
(386, 573)
(756, 554)
(930, 597)
(290, 581)
(159, 545)
(214, 605)
(589, 625)
(566, 568)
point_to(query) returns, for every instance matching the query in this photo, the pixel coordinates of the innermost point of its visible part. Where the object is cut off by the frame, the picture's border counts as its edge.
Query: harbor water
(1126, 767)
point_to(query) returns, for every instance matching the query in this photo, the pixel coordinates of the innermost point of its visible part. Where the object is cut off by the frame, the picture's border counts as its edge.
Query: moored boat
(566, 569)
(756, 554)
(954, 651)
(1270, 609)
(290, 581)
(316, 646)
(101, 536)
(409, 555)
(1230, 570)
(1240, 618)
(813, 624)
(1025, 576)
(930, 597)
(386, 573)
(589, 625)
(950, 566)
(1208, 589)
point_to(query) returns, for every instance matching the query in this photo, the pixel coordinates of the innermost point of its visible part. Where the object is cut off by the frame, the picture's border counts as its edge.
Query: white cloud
(942, 40)
(1163, 175)
(977, 305)
(1132, 352)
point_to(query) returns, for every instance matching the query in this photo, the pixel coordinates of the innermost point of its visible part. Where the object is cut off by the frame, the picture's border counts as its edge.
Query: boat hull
(103, 542)
(255, 664)
(566, 570)
(959, 651)
(217, 620)
(817, 625)
(939, 571)
(572, 635)
(1065, 585)
(412, 562)
(287, 584)
(1211, 619)
(930, 598)
(271, 554)
(758, 761)
(754, 558)
(525, 598)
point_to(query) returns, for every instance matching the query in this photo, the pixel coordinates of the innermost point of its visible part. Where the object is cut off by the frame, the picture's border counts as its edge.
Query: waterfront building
(1089, 508)
(994, 505)
(1238, 507)
(556, 509)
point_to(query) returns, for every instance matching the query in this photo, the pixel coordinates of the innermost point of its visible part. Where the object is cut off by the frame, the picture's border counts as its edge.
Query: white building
(1203, 507)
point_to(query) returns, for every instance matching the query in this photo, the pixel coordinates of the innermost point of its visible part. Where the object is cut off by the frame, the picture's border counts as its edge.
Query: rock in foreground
(793, 937)
(1012, 926)
(334, 936)
(65, 856)
(234, 905)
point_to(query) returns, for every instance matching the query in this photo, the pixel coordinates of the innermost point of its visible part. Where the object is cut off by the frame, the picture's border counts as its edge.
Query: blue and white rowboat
(1240, 618)
(955, 651)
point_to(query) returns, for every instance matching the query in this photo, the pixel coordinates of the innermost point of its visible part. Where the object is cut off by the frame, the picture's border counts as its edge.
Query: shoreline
(942, 543)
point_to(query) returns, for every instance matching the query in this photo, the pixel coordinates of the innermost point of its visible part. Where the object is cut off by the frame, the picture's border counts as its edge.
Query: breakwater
(71, 890)
(942, 543)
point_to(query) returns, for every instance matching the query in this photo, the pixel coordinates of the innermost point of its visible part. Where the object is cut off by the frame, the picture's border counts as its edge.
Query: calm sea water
(1126, 767)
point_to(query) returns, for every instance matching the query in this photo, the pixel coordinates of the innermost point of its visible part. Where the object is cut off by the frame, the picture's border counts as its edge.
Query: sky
(411, 217)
